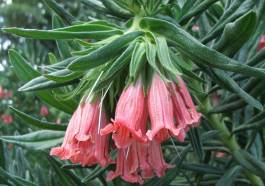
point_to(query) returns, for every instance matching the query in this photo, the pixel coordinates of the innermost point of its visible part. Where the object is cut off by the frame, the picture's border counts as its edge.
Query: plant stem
(229, 140)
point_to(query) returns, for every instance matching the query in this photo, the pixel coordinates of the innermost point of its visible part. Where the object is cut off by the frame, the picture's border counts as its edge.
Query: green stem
(229, 140)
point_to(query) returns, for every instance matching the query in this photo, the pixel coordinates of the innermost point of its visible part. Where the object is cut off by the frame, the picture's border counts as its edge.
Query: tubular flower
(82, 142)
(185, 110)
(156, 159)
(139, 161)
(129, 116)
(161, 114)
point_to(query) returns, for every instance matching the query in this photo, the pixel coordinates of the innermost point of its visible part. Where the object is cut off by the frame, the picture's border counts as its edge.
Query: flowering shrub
(157, 92)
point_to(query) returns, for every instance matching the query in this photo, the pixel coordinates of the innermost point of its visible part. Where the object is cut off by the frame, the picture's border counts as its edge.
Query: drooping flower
(161, 114)
(139, 162)
(7, 119)
(129, 115)
(185, 110)
(156, 159)
(261, 43)
(82, 142)
(44, 111)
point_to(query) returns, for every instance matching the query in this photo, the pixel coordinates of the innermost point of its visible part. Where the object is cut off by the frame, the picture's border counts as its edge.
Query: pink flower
(138, 162)
(161, 114)
(261, 43)
(129, 116)
(195, 28)
(82, 142)
(156, 159)
(7, 119)
(185, 110)
(58, 121)
(44, 111)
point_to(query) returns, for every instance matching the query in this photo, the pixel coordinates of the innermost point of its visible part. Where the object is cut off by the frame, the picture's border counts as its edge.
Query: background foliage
(228, 148)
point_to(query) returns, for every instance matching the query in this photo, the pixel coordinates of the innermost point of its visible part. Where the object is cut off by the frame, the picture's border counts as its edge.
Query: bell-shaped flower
(82, 142)
(160, 108)
(156, 159)
(184, 108)
(129, 116)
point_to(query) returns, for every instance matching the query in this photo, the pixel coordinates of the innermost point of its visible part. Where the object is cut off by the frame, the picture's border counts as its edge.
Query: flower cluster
(142, 122)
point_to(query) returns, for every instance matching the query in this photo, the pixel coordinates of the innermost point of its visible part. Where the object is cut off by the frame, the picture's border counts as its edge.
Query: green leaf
(2, 155)
(164, 57)
(137, 60)
(237, 9)
(60, 11)
(15, 179)
(250, 126)
(38, 140)
(63, 46)
(52, 58)
(249, 162)
(103, 54)
(116, 9)
(38, 123)
(236, 34)
(197, 10)
(229, 177)
(66, 177)
(202, 168)
(42, 83)
(234, 87)
(196, 142)
(95, 173)
(25, 72)
(198, 52)
(83, 31)
(63, 76)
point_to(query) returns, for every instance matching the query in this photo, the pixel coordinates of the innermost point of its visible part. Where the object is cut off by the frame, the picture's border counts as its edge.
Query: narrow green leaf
(249, 162)
(65, 33)
(136, 60)
(52, 58)
(42, 83)
(2, 155)
(95, 173)
(202, 168)
(197, 10)
(250, 126)
(116, 9)
(236, 34)
(60, 11)
(103, 54)
(25, 72)
(229, 177)
(198, 52)
(38, 123)
(63, 76)
(164, 56)
(15, 179)
(196, 142)
(66, 177)
(63, 46)
(38, 140)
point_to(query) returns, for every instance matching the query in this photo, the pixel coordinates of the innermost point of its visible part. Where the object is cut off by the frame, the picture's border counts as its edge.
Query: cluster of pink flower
(169, 109)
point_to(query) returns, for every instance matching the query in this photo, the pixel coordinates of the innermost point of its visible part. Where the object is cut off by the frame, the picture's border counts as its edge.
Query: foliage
(213, 44)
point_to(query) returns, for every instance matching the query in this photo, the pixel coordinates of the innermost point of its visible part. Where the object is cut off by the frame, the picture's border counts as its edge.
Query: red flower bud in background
(129, 116)
(8, 94)
(7, 119)
(82, 142)
(2, 93)
(44, 111)
(261, 43)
